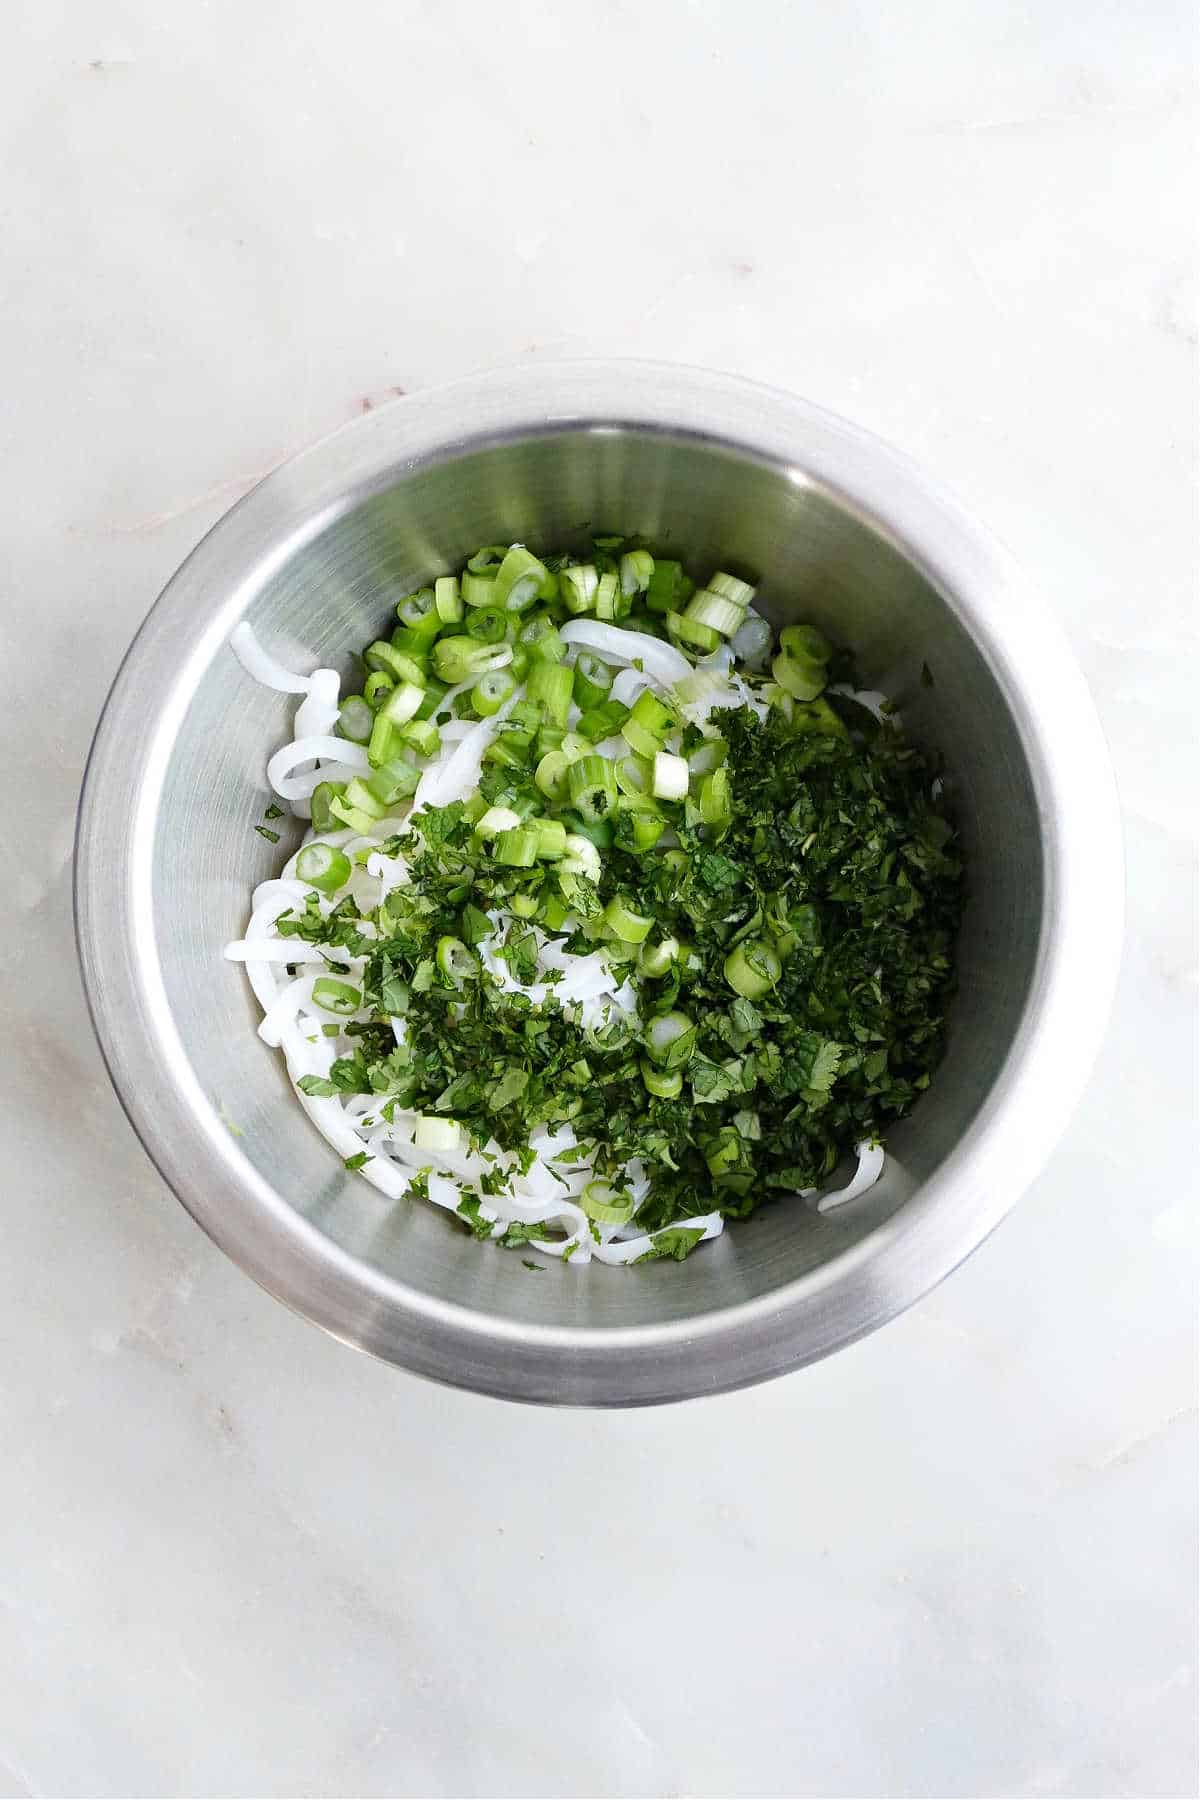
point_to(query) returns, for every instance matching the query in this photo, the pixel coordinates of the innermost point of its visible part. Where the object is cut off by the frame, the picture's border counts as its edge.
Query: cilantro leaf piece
(678, 1243)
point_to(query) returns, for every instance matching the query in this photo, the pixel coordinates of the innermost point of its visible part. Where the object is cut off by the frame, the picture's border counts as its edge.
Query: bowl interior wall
(817, 558)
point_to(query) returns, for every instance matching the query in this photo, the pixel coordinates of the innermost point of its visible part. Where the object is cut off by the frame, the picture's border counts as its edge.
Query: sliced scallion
(517, 848)
(477, 590)
(663, 587)
(670, 778)
(540, 636)
(637, 566)
(336, 996)
(455, 962)
(419, 613)
(605, 604)
(323, 796)
(551, 839)
(799, 676)
(423, 735)
(359, 796)
(713, 610)
(664, 1084)
(491, 691)
(323, 866)
(657, 960)
(592, 785)
(459, 659)
(671, 1040)
(402, 704)
(806, 643)
(635, 774)
(551, 775)
(518, 579)
(604, 1203)
(593, 680)
(716, 801)
(447, 599)
(495, 820)
(577, 587)
(648, 725)
(393, 781)
(692, 632)
(730, 588)
(356, 716)
(550, 685)
(628, 926)
(752, 968)
(489, 624)
(444, 1137)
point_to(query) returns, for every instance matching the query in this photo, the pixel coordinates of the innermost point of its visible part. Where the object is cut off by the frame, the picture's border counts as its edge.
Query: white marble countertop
(958, 1558)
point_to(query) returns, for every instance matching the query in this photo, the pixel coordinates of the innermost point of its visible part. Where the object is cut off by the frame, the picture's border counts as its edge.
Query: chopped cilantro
(833, 862)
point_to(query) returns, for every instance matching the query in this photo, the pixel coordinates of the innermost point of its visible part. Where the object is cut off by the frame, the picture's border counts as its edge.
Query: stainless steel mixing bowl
(840, 530)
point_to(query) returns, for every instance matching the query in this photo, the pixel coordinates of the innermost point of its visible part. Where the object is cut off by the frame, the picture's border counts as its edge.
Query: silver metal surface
(840, 530)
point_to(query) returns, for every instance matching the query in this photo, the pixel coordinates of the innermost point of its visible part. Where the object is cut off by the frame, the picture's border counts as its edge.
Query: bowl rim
(856, 1290)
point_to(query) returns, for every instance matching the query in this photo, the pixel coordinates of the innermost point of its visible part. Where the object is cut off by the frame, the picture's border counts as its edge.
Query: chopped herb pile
(760, 859)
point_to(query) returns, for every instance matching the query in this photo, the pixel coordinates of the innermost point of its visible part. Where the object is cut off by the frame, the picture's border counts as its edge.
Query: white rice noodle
(308, 750)
(628, 684)
(301, 784)
(627, 1250)
(317, 713)
(457, 776)
(720, 661)
(500, 972)
(586, 978)
(330, 1119)
(870, 1167)
(284, 1009)
(723, 692)
(244, 643)
(390, 871)
(446, 1193)
(661, 662)
(871, 698)
(316, 716)
(271, 898)
(273, 950)
(284, 888)
(547, 1193)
